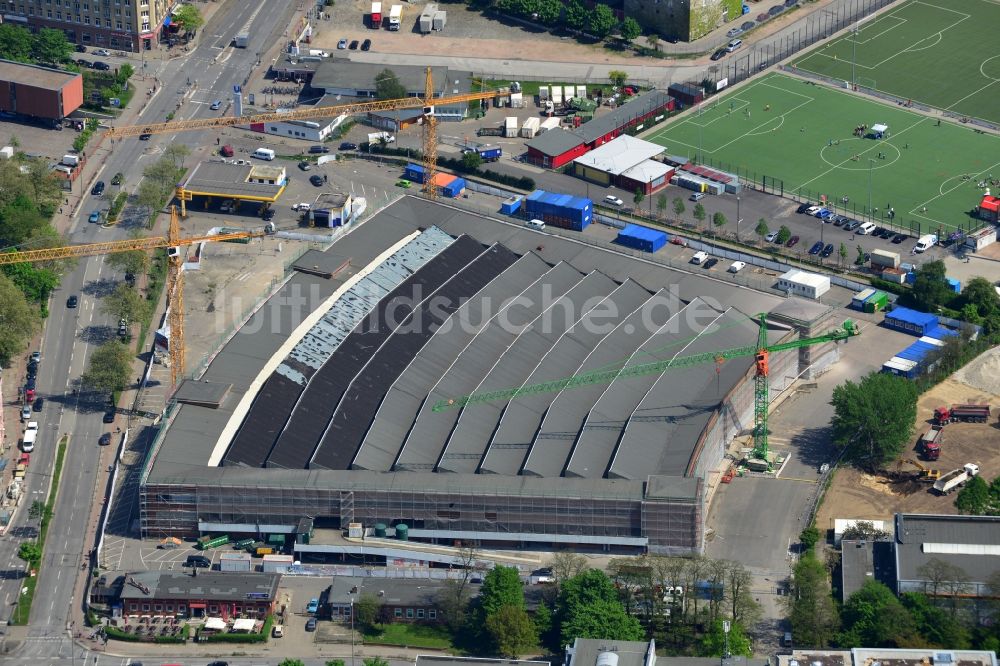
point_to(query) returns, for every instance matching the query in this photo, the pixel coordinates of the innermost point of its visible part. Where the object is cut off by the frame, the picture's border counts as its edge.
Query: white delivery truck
(395, 17)
(30, 433)
(925, 242)
(264, 154)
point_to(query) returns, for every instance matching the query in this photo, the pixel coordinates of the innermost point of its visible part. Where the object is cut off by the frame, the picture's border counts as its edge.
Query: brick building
(127, 25)
(208, 594)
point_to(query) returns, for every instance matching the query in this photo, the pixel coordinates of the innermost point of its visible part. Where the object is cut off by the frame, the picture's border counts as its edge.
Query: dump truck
(930, 443)
(956, 478)
(968, 413)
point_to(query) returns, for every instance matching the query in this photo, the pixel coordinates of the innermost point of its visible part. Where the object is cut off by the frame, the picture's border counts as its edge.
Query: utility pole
(725, 632)
(738, 218)
(871, 165)
(854, 57)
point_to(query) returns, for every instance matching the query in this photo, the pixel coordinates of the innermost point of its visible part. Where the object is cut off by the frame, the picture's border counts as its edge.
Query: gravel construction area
(983, 373)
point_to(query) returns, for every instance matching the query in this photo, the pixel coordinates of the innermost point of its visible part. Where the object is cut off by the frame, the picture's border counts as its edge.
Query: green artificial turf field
(944, 53)
(802, 134)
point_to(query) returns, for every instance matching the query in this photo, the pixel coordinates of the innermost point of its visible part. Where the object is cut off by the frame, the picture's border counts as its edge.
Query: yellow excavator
(926, 474)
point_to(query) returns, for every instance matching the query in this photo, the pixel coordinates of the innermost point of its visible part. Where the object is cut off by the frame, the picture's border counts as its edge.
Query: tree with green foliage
(368, 610)
(548, 11)
(617, 76)
(761, 229)
(653, 42)
(784, 233)
(124, 73)
(981, 305)
(930, 287)
(974, 498)
(125, 302)
(388, 85)
(842, 253)
(15, 43)
(713, 643)
(873, 616)
(291, 662)
(699, 213)
(679, 207)
(629, 29)
(135, 262)
(18, 320)
(50, 47)
(566, 565)
(34, 280)
(30, 552)
(588, 607)
(512, 631)
(864, 530)
(188, 18)
(811, 611)
(873, 419)
(601, 21)
(934, 625)
(501, 587)
(335, 662)
(809, 537)
(661, 204)
(471, 161)
(109, 368)
(638, 196)
(719, 220)
(575, 15)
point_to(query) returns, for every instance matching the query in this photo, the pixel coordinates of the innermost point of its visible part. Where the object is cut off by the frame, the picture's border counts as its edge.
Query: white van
(865, 228)
(699, 258)
(28, 442)
(925, 242)
(535, 224)
(733, 45)
(264, 154)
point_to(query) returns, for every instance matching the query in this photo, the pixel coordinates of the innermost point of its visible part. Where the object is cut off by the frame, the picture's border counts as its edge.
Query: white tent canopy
(244, 624)
(215, 623)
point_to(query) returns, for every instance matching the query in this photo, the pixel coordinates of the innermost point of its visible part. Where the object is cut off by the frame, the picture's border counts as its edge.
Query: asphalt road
(70, 336)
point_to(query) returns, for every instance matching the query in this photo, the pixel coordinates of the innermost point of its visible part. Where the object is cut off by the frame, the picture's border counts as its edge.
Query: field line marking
(974, 92)
(947, 9)
(946, 193)
(900, 20)
(790, 92)
(907, 49)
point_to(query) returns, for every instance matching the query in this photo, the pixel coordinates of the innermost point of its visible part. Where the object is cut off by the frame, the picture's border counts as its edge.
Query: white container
(71, 160)
(234, 562)
(543, 93)
(530, 127)
(7, 152)
(569, 92)
(276, 563)
(557, 94)
(581, 92)
(510, 126)
(885, 258)
(355, 530)
(547, 124)
(440, 20)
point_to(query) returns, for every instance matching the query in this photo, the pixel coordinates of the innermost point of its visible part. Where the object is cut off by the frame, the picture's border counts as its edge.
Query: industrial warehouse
(345, 411)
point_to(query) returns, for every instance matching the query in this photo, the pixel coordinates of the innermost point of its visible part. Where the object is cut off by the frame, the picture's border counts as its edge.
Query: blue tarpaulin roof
(558, 199)
(639, 231)
(940, 333)
(912, 317)
(917, 351)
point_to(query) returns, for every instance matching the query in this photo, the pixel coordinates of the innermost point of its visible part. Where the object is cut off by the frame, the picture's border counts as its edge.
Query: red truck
(930, 443)
(968, 413)
(376, 16)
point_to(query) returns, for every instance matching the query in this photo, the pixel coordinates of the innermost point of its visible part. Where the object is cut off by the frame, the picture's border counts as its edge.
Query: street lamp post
(854, 57)
(871, 166)
(738, 218)
(352, 630)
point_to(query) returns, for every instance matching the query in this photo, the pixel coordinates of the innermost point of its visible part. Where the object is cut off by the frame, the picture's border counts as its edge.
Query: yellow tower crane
(427, 103)
(175, 281)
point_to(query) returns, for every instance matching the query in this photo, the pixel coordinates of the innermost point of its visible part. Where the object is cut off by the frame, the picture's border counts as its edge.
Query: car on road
(316, 180)
(711, 262)
(36, 356)
(827, 251)
(347, 145)
(342, 44)
(697, 196)
(311, 622)
(216, 105)
(102, 66)
(218, 663)
(39, 403)
(899, 238)
(816, 248)
(302, 206)
(95, 217)
(792, 242)
(25, 412)
(198, 561)
(803, 207)
(145, 136)
(313, 605)
(318, 149)
(104, 53)
(105, 439)
(72, 302)
(613, 200)
(771, 237)
(98, 188)
(719, 54)
(118, 178)
(732, 32)
(305, 166)
(109, 414)
(354, 45)
(268, 215)
(366, 45)
(405, 184)
(82, 62)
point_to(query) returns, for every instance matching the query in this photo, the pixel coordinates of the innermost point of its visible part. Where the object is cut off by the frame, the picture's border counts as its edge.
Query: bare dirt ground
(855, 494)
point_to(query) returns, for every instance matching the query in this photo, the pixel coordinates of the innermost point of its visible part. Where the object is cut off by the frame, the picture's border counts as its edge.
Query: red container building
(39, 92)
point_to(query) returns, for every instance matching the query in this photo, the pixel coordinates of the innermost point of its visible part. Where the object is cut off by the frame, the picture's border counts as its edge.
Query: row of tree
(46, 47)
(574, 15)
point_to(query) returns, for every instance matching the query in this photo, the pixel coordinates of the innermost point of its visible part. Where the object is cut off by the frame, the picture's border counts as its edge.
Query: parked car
(318, 149)
(877, 232)
(827, 251)
(305, 166)
(887, 234)
(366, 45)
(347, 145)
(104, 53)
(732, 32)
(105, 439)
(98, 188)
(39, 403)
(302, 207)
(25, 412)
(80, 48)
(102, 66)
(719, 54)
(198, 561)
(737, 266)
(82, 62)
(313, 605)
(95, 217)
(216, 105)
(316, 180)
(354, 45)
(746, 25)
(109, 414)
(311, 622)
(826, 215)
(699, 258)
(72, 302)
(840, 220)
(697, 196)
(342, 44)
(899, 238)
(711, 262)
(771, 237)
(613, 200)
(792, 241)
(36, 356)
(852, 225)
(812, 210)
(816, 248)
(803, 207)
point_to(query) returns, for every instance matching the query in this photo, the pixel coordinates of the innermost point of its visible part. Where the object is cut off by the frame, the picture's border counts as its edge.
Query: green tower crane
(761, 353)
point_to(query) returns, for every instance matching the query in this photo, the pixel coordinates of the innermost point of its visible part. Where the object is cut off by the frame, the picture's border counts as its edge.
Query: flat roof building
(243, 182)
(39, 92)
(207, 594)
(627, 162)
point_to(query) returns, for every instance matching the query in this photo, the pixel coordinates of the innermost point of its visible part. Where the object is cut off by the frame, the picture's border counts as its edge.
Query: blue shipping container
(940, 333)
(414, 172)
(454, 188)
(641, 238)
(955, 285)
(511, 206)
(910, 321)
(490, 154)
